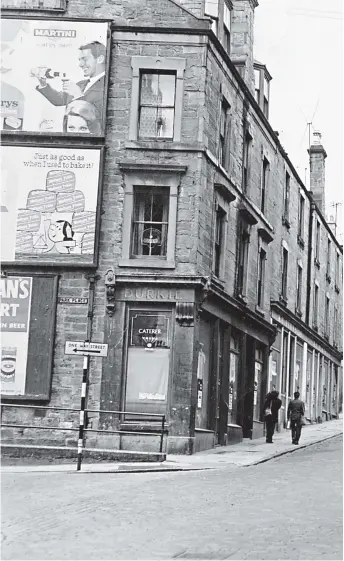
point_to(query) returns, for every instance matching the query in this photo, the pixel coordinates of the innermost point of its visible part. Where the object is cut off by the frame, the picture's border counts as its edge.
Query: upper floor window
(227, 27)
(242, 258)
(211, 9)
(284, 286)
(299, 288)
(261, 278)
(149, 225)
(246, 160)
(286, 197)
(220, 222)
(335, 325)
(224, 141)
(328, 266)
(337, 279)
(264, 184)
(315, 306)
(150, 221)
(157, 103)
(317, 241)
(156, 98)
(301, 219)
(262, 80)
(327, 315)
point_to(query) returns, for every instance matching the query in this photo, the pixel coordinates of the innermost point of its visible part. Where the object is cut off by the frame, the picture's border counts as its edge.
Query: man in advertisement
(92, 58)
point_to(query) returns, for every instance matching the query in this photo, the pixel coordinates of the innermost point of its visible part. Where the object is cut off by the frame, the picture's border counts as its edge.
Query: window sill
(164, 145)
(147, 263)
(328, 278)
(300, 241)
(317, 262)
(260, 311)
(286, 222)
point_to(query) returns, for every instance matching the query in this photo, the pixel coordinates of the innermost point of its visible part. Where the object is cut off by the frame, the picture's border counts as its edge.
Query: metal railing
(139, 418)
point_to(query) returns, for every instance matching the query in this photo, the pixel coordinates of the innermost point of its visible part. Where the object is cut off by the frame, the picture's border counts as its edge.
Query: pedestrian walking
(271, 407)
(296, 411)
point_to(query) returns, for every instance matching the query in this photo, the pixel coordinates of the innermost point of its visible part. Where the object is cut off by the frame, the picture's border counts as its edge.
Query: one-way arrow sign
(86, 348)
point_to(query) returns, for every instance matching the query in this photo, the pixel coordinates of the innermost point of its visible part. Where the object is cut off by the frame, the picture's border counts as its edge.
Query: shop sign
(157, 294)
(149, 331)
(15, 321)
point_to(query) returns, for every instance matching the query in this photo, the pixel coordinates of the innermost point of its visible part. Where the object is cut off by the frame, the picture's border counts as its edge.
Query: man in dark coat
(91, 89)
(296, 410)
(271, 407)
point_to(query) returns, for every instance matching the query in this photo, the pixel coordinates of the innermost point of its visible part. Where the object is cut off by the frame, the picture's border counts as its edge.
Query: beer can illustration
(8, 364)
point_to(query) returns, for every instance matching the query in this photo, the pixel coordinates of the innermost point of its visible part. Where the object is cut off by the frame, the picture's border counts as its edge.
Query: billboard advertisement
(53, 76)
(49, 199)
(15, 305)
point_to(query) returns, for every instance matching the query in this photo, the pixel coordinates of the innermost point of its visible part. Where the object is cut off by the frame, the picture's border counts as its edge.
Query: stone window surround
(219, 201)
(139, 63)
(262, 246)
(160, 177)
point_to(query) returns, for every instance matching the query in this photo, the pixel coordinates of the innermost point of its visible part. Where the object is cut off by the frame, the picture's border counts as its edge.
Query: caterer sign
(15, 319)
(149, 330)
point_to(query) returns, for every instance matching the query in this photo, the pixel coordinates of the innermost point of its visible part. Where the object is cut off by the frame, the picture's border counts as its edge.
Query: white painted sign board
(85, 348)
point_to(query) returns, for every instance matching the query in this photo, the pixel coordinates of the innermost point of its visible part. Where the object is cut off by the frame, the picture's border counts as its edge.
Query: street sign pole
(82, 411)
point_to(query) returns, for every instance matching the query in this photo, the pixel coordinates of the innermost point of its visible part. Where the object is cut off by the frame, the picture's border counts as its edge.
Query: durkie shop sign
(47, 5)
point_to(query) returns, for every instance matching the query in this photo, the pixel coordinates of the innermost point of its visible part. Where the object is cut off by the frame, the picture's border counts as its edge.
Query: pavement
(243, 454)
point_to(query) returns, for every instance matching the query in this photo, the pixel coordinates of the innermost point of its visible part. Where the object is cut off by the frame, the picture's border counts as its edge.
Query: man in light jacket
(296, 410)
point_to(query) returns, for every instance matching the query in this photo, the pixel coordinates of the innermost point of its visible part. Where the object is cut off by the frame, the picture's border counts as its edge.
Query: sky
(301, 43)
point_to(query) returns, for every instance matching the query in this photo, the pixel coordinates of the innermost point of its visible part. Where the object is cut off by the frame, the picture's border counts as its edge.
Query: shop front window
(203, 374)
(148, 361)
(298, 368)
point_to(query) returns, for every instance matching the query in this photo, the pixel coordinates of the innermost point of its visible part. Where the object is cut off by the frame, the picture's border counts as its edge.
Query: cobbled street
(287, 508)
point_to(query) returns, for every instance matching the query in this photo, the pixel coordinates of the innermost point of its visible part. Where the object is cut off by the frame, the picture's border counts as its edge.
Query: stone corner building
(216, 277)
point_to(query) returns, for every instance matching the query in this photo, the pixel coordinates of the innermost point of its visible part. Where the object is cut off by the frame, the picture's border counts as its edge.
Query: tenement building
(149, 206)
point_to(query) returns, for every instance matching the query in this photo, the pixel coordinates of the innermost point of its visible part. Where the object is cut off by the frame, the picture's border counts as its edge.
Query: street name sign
(86, 348)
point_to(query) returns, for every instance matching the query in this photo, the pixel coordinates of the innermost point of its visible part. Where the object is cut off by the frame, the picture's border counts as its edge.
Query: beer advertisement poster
(49, 202)
(15, 305)
(53, 76)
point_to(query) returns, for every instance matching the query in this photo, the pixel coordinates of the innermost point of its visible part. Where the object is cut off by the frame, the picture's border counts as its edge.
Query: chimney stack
(241, 51)
(317, 155)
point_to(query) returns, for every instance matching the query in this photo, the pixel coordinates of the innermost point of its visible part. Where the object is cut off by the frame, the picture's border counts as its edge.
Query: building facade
(162, 217)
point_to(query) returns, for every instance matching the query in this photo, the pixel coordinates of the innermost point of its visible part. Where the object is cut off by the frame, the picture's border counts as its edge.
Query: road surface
(287, 508)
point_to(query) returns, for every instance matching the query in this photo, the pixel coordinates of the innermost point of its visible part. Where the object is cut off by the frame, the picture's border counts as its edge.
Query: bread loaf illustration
(84, 221)
(60, 181)
(28, 220)
(24, 243)
(87, 245)
(67, 202)
(41, 200)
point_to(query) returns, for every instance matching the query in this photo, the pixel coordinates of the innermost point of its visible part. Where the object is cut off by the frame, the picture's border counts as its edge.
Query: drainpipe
(91, 290)
(310, 255)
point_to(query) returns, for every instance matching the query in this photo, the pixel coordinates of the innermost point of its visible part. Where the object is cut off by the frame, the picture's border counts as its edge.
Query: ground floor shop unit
(182, 349)
(300, 360)
(178, 347)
